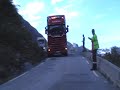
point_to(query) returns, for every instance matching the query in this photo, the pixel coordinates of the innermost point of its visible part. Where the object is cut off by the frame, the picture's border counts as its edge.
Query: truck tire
(65, 54)
(49, 55)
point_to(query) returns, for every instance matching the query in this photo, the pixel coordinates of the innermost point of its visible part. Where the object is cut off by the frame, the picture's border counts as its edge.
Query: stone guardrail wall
(109, 70)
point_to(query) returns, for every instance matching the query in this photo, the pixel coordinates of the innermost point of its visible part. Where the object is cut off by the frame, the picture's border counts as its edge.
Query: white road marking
(105, 81)
(87, 62)
(17, 77)
(41, 63)
(82, 57)
(47, 59)
(95, 74)
(24, 73)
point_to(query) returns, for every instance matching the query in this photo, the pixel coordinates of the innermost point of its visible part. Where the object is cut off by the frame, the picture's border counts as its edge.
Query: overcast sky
(81, 16)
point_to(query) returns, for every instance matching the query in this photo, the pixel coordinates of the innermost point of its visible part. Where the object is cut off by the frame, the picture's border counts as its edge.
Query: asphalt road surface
(60, 73)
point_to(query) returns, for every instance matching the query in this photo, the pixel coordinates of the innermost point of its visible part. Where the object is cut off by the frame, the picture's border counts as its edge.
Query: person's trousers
(94, 53)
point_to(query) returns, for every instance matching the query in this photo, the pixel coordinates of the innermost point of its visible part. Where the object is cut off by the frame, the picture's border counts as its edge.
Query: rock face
(17, 41)
(35, 34)
(31, 29)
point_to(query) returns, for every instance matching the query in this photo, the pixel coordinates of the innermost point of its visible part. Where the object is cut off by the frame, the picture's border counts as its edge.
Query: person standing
(95, 46)
(83, 43)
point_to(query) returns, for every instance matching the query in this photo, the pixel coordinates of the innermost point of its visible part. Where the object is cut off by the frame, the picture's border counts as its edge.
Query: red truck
(56, 31)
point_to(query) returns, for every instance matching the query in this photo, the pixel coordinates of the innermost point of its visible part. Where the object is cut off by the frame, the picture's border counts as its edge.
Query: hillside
(17, 42)
(31, 29)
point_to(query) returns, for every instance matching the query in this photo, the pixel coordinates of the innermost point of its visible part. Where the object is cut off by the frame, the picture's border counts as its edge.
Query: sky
(81, 15)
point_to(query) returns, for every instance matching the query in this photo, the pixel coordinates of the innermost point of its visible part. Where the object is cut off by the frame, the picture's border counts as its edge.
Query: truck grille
(57, 43)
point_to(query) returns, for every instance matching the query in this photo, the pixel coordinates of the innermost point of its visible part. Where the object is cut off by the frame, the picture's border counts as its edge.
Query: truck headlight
(49, 50)
(65, 48)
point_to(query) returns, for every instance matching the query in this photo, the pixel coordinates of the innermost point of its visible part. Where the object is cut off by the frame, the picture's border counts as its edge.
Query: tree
(113, 56)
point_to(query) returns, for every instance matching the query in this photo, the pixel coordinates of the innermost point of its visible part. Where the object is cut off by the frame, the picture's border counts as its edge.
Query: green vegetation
(113, 56)
(16, 44)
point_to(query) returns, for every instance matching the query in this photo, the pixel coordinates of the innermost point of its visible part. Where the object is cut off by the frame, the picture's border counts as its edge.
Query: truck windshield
(57, 30)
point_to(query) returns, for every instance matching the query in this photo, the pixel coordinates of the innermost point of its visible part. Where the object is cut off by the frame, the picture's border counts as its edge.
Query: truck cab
(56, 34)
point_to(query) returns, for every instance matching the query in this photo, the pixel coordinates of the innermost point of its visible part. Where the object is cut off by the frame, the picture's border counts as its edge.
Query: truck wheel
(49, 55)
(65, 54)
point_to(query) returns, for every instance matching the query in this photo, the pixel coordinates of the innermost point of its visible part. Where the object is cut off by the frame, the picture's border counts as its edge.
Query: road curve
(60, 73)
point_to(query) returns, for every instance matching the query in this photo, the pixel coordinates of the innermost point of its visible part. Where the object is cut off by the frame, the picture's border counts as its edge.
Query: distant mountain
(69, 45)
(74, 48)
(80, 49)
(103, 51)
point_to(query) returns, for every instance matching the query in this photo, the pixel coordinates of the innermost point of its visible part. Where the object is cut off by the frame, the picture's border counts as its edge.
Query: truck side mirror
(67, 28)
(46, 30)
